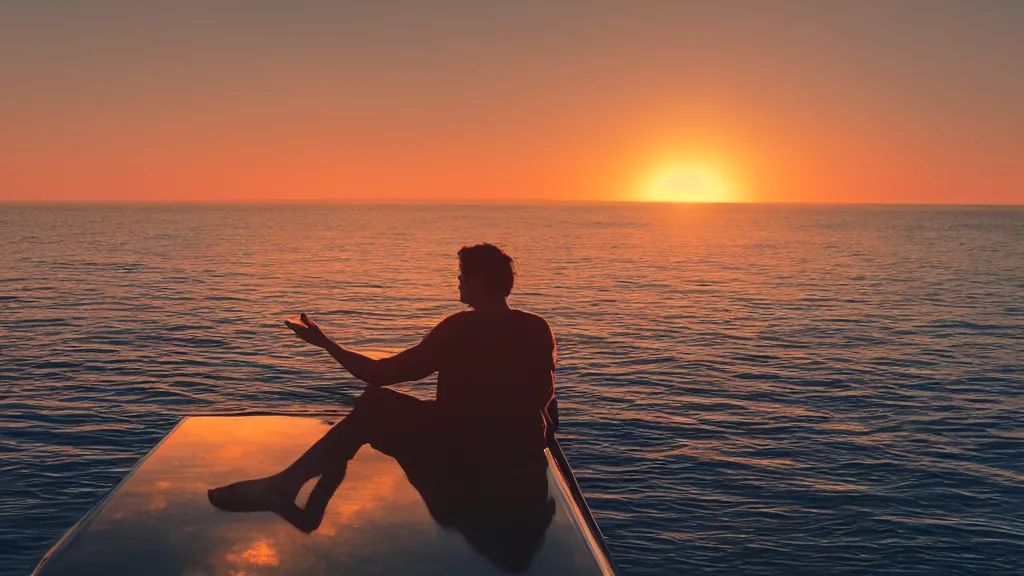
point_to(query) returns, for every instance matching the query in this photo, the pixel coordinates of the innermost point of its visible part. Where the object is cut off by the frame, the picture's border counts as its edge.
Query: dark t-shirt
(495, 375)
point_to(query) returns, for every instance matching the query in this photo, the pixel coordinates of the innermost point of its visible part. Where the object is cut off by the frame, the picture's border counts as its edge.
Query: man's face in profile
(462, 288)
(468, 289)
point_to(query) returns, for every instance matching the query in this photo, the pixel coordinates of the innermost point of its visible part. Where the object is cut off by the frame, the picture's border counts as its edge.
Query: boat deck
(159, 521)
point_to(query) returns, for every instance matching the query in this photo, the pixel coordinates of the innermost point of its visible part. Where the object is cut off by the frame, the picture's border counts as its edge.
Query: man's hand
(308, 331)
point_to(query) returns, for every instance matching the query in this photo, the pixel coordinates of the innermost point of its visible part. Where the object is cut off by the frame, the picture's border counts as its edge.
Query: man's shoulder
(452, 321)
(534, 321)
(531, 317)
(456, 317)
(521, 316)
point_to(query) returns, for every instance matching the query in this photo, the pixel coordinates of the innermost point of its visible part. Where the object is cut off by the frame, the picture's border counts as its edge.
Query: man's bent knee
(384, 400)
(378, 396)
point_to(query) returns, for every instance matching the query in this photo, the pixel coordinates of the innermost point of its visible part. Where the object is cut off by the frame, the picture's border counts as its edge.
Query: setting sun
(688, 182)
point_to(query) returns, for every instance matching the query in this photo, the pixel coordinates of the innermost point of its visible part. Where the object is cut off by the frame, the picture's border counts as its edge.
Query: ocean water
(744, 389)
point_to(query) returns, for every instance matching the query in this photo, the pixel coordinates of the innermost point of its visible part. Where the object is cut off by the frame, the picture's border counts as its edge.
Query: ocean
(744, 389)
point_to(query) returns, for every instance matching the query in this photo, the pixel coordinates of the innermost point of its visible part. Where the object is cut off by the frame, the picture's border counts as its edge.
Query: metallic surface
(158, 520)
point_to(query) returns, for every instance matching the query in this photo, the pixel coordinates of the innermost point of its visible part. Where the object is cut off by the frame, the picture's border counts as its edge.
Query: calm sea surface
(745, 389)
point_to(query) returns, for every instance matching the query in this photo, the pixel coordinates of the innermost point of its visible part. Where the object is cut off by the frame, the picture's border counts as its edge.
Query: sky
(903, 101)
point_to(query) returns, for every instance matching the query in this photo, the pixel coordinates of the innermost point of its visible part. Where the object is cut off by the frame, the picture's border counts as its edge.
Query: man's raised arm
(413, 364)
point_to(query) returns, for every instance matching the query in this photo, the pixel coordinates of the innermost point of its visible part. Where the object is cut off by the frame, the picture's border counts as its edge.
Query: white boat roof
(159, 521)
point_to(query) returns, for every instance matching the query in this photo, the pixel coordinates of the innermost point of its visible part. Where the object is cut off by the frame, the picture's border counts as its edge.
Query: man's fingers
(309, 323)
(295, 326)
(306, 330)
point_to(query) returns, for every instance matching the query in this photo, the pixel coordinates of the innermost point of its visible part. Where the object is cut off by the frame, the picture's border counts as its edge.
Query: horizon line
(460, 202)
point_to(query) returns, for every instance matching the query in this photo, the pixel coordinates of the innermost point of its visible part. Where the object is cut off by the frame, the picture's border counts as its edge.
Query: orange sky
(873, 101)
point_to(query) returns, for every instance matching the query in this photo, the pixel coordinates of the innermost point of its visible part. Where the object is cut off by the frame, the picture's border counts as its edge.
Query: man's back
(495, 375)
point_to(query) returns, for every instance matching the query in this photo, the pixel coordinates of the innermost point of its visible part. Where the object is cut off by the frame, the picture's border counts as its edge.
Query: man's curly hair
(490, 266)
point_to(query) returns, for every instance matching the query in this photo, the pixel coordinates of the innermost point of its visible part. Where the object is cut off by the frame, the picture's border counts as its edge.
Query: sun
(688, 182)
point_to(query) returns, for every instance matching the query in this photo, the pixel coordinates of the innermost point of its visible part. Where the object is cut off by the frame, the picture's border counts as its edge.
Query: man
(488, 425)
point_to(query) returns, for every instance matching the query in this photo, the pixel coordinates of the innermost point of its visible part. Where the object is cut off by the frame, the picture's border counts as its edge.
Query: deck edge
(580, 502)
(89, 516)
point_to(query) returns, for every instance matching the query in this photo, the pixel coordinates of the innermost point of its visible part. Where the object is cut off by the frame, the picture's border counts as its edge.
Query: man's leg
(378, 412)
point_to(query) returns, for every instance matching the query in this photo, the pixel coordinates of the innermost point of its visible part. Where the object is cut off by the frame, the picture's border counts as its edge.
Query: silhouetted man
(476, 449)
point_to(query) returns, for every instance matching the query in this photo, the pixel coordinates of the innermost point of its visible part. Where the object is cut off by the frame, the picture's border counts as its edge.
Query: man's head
(485, 273)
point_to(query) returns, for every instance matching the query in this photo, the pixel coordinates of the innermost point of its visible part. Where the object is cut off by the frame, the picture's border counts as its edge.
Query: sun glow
(688, 182)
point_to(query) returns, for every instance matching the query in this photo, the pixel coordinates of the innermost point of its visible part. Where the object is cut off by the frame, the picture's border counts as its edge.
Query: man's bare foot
(272, 493)
(305, 520)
